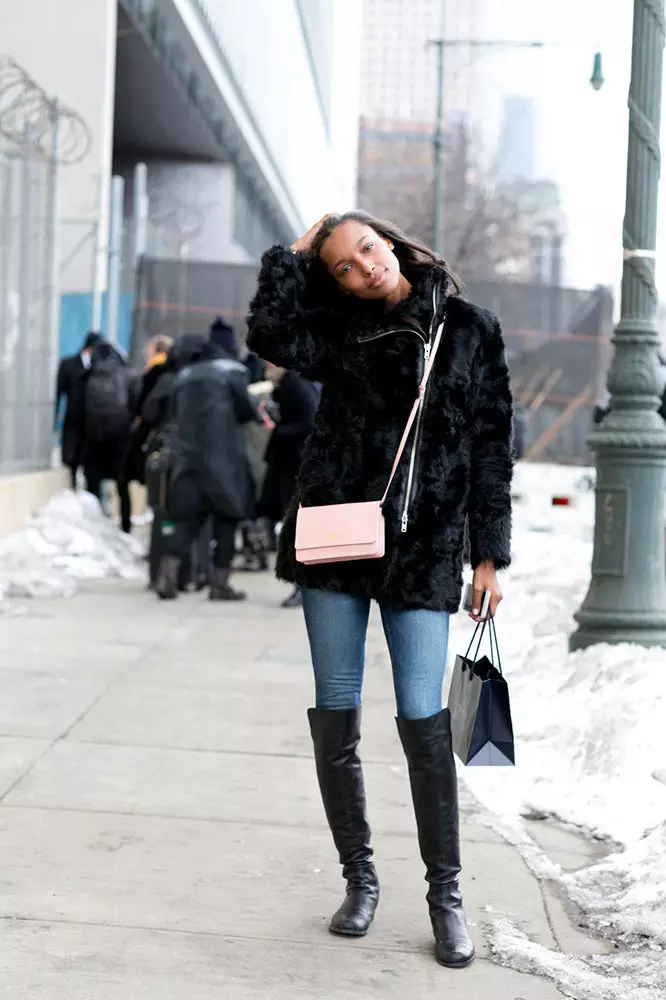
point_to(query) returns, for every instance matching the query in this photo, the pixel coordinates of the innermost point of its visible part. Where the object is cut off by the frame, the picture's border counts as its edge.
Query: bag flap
(338, 524)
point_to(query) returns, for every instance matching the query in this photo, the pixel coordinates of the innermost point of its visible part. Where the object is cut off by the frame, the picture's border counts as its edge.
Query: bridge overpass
(245, 114)
(232, 104)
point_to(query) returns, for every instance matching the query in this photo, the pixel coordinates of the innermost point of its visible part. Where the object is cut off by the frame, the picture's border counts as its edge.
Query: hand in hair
(305, 242)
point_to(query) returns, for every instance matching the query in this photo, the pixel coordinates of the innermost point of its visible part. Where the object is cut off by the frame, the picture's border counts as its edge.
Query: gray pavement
(161, 832)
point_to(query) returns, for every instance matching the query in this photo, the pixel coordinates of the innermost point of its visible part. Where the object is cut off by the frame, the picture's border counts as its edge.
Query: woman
(355, 304)
(155, 354)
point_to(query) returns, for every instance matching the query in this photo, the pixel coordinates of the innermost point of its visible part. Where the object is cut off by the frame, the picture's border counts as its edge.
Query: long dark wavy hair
(414, 257)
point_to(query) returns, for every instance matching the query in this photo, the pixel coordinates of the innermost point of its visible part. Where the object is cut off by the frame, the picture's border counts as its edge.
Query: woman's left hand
(485, 578)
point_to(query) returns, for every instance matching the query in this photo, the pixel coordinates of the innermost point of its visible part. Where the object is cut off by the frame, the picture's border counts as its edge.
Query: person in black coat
(255, 546)
(211, 476)
(296, 399)
(357, 305)
(69, 384)
(106, 421)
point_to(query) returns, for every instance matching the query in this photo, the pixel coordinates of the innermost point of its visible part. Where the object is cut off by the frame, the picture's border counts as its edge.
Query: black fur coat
(370, 360)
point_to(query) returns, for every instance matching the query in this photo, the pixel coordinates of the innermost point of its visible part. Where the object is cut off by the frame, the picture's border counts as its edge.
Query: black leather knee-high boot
(336, 735)
(432, 775)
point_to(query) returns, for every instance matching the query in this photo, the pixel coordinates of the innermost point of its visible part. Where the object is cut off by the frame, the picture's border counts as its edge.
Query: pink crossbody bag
(343, 532)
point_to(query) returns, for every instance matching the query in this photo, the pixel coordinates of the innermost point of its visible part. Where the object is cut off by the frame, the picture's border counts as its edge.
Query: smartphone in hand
(468, 601)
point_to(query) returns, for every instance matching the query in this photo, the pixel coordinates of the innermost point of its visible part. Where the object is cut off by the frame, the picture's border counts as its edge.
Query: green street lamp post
(626, 600)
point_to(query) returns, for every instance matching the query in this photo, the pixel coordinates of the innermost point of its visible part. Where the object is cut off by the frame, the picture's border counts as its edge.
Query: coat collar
(373, 320)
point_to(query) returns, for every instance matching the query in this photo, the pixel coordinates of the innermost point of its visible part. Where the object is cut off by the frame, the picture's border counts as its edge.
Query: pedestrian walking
(158, 413)
(295, 399)
(254, 550)
(211, 475)
(255, 547)
(156, 354)
(370, 313)
(69, 384)
(105, 410)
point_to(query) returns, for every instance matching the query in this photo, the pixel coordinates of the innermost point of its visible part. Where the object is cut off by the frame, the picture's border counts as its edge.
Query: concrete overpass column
(192, 210)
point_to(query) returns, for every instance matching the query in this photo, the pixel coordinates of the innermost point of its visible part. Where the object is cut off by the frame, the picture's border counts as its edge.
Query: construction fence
(37, 136)
(28, 336)
(558, 339)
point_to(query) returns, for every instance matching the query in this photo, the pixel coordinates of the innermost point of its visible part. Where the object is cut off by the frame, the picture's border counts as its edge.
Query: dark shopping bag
(480, 710)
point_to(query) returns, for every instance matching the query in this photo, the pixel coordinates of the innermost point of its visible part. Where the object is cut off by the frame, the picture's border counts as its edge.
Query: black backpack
(107, 398)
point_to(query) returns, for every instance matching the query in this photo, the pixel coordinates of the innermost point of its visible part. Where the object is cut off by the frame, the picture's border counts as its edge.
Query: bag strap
(482, 626)
(418, 402)
(493, 635)
(492, 632)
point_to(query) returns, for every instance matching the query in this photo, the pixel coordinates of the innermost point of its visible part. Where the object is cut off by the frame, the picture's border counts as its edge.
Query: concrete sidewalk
(161, 832)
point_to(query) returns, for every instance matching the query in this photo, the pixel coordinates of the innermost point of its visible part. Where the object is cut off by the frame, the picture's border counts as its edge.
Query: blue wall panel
(75, 313)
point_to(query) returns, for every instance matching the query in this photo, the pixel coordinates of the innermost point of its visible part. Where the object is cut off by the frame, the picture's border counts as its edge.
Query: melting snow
(590, 732)
(68, 540)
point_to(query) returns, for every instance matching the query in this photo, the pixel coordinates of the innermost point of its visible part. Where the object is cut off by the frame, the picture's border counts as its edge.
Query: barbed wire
(29, 115)
(183, 220)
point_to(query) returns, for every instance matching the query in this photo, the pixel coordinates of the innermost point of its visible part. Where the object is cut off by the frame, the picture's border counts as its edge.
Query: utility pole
(438, 135)
(626, 600)
(115, 258)
(437, 145)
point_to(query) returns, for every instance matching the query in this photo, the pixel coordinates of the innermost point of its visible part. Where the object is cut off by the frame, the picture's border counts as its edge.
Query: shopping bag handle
(493, 635)
(482, 626)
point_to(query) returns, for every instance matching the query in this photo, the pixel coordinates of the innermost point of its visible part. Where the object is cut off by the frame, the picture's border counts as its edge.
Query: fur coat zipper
(370, 360)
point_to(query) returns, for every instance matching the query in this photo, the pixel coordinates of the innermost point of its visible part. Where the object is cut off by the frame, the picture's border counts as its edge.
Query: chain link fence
(37, 135)
(28, 351)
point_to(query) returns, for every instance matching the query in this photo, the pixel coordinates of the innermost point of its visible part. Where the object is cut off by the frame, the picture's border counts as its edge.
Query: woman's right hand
(305, 242)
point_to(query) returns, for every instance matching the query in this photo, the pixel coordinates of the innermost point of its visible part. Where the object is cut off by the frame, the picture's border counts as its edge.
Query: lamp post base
(626, 599)
(598, 626)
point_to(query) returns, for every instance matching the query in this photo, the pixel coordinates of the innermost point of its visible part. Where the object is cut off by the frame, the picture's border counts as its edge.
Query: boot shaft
(335, 736)
(434, 784)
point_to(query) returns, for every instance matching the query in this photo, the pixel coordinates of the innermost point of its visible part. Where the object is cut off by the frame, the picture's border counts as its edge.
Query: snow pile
(576, 977)
(69, 539)
(590, 726)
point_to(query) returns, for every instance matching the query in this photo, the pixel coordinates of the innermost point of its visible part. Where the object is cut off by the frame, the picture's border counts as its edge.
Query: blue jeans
(417, 641)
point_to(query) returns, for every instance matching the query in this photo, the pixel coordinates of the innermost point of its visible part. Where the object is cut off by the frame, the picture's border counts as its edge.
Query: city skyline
(580, 135)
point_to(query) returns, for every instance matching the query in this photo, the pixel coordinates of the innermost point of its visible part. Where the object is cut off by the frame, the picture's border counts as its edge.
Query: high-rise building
(398, 77)
(517, 140)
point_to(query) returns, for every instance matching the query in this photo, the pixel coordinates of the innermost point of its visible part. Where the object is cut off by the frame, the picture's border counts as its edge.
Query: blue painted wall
(75, 313)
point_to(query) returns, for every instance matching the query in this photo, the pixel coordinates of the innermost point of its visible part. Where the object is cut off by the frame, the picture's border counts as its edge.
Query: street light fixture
(626, 599)
(597, 78)
(596, 81)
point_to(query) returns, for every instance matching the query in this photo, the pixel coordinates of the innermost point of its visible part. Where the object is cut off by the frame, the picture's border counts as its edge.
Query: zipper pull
(403, 524)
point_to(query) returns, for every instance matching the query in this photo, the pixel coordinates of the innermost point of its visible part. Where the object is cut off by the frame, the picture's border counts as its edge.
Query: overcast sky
(582, 135)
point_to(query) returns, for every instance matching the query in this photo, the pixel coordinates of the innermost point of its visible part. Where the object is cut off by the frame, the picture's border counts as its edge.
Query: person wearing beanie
(211, 475)
(69, 384)
(222, 334)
